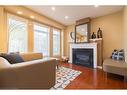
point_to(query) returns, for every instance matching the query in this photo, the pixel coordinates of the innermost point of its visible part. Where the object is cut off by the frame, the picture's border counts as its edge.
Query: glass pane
(56, 42)
(62, 43)
(41, 39)
(17, 35)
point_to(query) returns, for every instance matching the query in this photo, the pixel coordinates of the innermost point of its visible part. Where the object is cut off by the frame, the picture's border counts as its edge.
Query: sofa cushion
(12, 58)
(31, 56)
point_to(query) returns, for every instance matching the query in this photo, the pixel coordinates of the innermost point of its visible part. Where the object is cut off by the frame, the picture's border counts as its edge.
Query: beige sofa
(35, 73)
(115, 67)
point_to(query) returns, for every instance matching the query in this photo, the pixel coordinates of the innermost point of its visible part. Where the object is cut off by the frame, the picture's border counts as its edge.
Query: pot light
(96, 6)
(66, 17)
(32, 17)
(19, 12)
(53, 8)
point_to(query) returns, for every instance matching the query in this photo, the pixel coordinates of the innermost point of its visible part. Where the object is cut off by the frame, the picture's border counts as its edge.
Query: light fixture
(66, 17)
(32, 17)
(96, 6)
(53, 8)
(19, 12)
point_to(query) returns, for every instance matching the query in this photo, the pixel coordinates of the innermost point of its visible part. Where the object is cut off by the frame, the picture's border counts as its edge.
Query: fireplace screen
(83, 57)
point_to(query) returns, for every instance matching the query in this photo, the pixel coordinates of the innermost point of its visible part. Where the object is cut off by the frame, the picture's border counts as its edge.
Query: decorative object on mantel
(72, 35)
(93, 36)
(99, 33)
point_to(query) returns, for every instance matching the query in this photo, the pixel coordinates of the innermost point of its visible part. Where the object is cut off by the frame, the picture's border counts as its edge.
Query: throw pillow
(118, 54)
(12, 58)
(114, 54)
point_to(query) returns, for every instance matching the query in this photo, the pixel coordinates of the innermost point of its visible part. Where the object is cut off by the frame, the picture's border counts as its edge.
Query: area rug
(64, 76)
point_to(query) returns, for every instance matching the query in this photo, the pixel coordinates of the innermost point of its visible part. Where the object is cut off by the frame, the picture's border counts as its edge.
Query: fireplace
(84, 54)
(83, 57)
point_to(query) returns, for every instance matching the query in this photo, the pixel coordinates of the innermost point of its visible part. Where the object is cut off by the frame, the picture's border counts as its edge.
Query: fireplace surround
(91, 47)
(83, 57)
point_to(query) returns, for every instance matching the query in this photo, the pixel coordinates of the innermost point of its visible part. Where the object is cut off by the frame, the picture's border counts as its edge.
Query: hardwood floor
(95, 79)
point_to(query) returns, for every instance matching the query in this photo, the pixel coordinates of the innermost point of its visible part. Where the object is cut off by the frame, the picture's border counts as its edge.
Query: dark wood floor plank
(95, 79)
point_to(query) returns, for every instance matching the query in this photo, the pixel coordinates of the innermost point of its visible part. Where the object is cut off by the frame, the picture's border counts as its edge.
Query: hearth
(83, 57)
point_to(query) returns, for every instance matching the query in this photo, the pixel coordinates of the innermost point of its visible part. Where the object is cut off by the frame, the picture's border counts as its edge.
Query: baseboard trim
(99, 67)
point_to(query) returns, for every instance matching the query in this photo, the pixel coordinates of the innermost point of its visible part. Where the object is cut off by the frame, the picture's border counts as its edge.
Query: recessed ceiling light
(32, 17)
(53, 8)
(19, 12)
(66, 17)
(96, 6)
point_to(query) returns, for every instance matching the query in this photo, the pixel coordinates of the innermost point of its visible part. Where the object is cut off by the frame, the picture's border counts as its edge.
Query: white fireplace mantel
(85, 46)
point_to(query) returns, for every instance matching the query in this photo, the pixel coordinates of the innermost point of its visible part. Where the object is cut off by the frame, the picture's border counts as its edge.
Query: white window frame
(18, 19)
(59, 42)
(42, 25)
(62, 43)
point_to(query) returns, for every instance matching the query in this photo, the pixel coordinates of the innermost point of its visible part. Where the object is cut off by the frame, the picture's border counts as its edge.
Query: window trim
(26, 20)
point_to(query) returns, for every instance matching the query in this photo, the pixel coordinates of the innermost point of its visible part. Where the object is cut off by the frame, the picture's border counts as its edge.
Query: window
(62, 43)
(56, 42)
(17, 29)
(41, 39)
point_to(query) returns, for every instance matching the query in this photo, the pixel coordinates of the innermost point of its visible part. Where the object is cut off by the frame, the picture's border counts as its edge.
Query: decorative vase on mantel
(99, 33)
(93, 36)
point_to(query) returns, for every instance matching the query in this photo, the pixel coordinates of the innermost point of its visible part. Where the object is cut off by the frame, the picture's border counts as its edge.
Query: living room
(34, 35)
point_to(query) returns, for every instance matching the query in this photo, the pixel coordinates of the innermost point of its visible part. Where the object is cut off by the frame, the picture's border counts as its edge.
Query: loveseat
(34, 73)
(115, 67)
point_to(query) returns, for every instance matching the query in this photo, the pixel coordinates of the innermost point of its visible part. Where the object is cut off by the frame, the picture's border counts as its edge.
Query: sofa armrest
(31, 75)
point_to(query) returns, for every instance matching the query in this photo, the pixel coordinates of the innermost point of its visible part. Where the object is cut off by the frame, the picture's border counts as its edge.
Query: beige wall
(3, 33)
(112, 27)
(67, 39)
(125, 32)
(26, 14)
(30, 37)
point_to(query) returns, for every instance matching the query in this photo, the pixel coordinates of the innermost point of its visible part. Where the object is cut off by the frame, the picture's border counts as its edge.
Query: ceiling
(74, 12)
